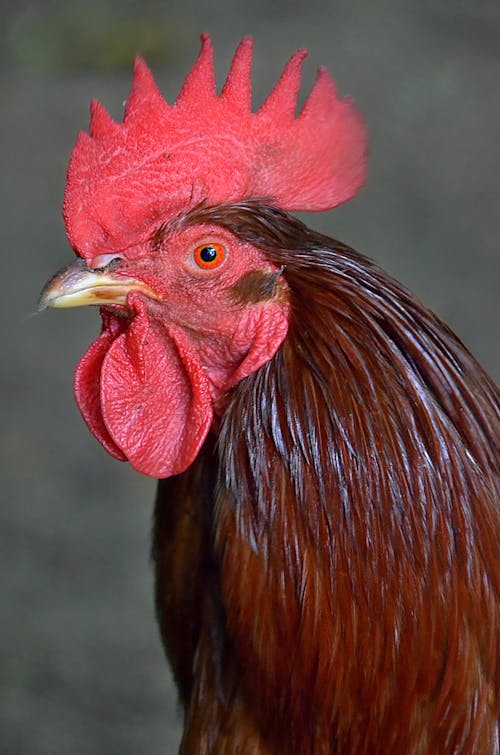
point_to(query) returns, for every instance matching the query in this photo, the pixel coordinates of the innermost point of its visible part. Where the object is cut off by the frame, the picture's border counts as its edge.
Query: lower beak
(79, 286)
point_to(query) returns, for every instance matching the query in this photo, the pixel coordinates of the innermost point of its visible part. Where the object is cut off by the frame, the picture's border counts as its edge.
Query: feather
(352, 523)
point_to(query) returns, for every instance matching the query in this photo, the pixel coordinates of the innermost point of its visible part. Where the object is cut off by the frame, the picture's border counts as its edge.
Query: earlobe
(270, 331)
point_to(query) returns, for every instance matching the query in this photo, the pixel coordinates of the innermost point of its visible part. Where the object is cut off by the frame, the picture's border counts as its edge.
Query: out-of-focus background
(81, 668)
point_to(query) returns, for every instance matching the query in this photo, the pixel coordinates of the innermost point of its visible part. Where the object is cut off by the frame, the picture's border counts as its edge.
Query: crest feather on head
(162, 159)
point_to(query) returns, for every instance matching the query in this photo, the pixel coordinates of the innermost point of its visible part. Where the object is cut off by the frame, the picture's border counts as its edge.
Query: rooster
(326, 530)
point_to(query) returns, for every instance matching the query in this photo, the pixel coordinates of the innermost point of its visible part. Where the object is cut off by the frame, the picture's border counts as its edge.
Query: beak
(79, 286)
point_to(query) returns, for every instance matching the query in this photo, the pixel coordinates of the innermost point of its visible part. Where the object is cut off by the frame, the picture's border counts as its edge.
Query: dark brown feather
(353, 533)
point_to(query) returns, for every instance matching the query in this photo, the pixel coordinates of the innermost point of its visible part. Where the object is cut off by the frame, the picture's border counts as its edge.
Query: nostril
(104, 260)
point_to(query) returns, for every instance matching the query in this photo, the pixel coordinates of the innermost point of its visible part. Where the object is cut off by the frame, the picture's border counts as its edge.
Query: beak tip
(43, 301)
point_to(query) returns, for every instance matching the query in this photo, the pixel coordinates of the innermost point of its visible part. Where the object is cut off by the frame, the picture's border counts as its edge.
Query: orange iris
(209, 255)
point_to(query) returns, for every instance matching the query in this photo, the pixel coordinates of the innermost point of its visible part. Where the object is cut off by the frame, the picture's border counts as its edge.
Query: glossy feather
(342, 534)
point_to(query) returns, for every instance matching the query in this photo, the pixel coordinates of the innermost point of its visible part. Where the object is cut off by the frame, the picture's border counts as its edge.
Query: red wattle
(87, 383)
(154, 398)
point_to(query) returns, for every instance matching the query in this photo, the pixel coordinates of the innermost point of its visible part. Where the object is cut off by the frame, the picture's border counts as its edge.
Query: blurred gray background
(81, 668)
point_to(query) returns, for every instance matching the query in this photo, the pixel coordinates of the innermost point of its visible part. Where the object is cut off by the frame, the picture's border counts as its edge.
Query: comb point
(238, 87)
(323, 97)
(281, 102)
(101, 124)
(199, 84)
(142, 90)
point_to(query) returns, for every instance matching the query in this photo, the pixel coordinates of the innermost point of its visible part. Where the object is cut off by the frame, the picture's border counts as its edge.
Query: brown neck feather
(356, 511)
(361, 481)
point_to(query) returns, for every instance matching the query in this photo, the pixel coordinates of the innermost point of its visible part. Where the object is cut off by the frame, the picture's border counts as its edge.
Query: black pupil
(208, 253)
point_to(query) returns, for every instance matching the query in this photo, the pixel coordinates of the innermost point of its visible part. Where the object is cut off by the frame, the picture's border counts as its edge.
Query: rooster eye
(209, 256)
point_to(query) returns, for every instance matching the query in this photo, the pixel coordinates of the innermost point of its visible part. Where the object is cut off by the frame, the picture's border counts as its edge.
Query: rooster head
(189, 308)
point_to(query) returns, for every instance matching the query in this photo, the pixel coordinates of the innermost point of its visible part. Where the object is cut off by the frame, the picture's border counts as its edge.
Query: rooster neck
(357, 516)
(340, 578)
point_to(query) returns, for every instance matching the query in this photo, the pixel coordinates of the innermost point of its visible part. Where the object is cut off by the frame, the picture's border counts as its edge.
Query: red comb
(164, 158)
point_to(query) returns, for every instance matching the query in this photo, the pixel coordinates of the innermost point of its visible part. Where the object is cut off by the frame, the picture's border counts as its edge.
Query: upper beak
(78, 286)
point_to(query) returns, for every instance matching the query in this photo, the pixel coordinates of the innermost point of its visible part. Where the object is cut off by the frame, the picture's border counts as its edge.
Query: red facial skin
(149, 386)
(148, 390)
